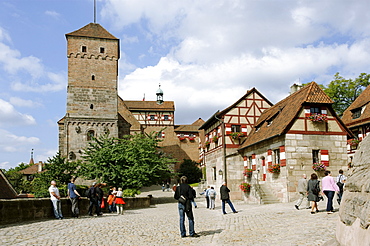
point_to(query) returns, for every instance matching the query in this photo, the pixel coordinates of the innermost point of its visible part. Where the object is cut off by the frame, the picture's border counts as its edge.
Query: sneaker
(296, 207)
(330, 212)
(194, 235)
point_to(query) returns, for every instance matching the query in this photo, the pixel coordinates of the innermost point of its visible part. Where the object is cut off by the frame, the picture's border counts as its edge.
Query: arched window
(92, 77)
(90, 135)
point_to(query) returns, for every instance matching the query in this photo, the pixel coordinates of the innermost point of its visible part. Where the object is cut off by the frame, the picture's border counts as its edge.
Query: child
(119, 201)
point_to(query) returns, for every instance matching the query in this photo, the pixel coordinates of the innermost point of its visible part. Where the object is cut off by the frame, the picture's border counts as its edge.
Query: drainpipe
(223, 146)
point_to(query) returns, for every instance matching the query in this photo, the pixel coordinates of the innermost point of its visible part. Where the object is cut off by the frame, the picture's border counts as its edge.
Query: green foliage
(131, 162)
(345, 91)
(191, 170)
(57, 168)
(130, 192)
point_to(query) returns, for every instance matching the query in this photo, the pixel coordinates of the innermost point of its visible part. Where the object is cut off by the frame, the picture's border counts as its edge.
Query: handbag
(102, 205)
(182, 199)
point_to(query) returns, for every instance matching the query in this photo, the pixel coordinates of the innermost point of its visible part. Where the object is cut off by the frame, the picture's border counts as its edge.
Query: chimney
(39, 168)
(295, 87)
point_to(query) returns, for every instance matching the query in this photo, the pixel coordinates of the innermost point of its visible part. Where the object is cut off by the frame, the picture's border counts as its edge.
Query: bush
(130, 192)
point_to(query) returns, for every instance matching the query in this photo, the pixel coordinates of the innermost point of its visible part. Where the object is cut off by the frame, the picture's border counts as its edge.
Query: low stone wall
(26, 209)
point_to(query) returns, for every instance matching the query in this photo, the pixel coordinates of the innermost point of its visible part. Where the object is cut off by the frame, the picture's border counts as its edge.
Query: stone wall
(19, 210)
(353, 228)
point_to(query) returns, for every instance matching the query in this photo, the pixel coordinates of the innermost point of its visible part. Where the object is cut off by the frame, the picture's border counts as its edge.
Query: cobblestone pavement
(274, 224)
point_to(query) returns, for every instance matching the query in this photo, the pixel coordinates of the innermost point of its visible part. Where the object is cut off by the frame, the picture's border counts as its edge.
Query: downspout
(223, 146)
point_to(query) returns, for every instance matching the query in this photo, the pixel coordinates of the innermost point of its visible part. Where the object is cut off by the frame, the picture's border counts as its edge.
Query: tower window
(83, 49)
(90, 135)
(91, 106)
(92, 77)
(102, 50)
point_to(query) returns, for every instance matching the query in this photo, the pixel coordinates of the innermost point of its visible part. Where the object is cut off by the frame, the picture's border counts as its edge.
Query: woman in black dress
(313, 190)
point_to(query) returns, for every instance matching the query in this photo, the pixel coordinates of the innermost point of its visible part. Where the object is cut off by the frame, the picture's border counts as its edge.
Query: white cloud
(5, 165)
(9, 116)
(16, 101)
(10, 142)
(52, 13)
(45, 155)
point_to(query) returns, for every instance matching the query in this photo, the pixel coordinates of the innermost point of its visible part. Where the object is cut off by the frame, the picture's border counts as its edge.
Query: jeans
(230, 204)
(94, 203)
(75, 210)
(57, 208)
(340, 194)
(190, 216)
(207, 200)
(212, 203)
(330, 195)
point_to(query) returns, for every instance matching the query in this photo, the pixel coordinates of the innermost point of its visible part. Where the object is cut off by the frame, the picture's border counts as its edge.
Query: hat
(94, 183)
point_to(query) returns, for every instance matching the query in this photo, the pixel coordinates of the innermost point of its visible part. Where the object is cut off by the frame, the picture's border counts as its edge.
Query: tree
(345, 91)
(191, 170)
(131, 162)
(57, 168)
(16, 178)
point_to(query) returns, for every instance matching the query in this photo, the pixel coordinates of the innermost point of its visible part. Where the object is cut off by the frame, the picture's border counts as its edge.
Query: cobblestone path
(275, 224)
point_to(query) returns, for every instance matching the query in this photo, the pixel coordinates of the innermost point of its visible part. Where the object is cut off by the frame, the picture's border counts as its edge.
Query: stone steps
(267, 196)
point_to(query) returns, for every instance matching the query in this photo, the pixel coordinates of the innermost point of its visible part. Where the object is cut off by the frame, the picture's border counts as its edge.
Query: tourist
(119, 201)
(168, 186)
(206, 192)
(302, 190)
(100, 197)
(163, 186)
(212, 198)
(74, 196)
(329, 188)
(194, 196)
(185, 194)
(341, 180)
(111, 200)
(55, 199)
(313, 189)
(91, 194)
(224, 191)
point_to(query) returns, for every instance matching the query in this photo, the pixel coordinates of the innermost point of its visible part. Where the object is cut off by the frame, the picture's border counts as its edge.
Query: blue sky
(206, 54)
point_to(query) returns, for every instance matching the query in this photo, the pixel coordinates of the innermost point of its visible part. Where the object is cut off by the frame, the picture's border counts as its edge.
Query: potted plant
(248, 172)
(245, 187)
(207, 143)
(215, 138)
(353, 143)
(274, 168)
(318, 167)
(236, 135)
(318, 117)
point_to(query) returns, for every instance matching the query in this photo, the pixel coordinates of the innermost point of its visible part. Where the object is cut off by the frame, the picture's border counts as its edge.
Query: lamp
(220, 172)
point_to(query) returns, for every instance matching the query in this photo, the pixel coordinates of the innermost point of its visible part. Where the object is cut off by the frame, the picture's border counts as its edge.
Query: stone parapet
(28, 209)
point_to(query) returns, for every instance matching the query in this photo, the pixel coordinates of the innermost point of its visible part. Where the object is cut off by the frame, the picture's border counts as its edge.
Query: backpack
(340, 184)
(212, 193)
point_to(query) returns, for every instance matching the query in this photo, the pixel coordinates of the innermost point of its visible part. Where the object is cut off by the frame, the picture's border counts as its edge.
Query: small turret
(159, 94)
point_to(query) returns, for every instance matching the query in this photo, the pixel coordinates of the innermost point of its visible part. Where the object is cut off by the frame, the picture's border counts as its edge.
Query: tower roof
(92, 30)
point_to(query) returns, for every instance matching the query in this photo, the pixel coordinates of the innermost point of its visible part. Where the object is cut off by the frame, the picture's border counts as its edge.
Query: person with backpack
(212, 198)
(184, 195)
(341, 179)
(91, 194)
(313, 190)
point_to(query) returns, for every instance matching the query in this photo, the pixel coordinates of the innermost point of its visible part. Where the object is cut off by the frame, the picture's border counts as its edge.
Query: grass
(194, 185)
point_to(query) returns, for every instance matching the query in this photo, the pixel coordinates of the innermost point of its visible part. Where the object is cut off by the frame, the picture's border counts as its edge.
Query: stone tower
(92, 101)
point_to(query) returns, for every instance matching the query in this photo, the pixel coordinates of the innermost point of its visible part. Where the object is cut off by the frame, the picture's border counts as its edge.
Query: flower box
(248, 172)
(318, 117)
(236, 135)
(245, 187)
(274, 168)
(318, 167)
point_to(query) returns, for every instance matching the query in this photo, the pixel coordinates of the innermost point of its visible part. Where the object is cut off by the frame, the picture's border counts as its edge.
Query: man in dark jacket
(224, 191)
(91, 194)
(185, 191)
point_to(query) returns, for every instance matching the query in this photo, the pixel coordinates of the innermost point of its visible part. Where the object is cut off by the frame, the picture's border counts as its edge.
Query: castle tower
(92, 99)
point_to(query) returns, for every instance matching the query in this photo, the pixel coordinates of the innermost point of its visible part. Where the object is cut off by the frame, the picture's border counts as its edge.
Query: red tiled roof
(6, 189)
(31, 169)
(220, 114)
(362, 100)
(284, 112)
(149, 106)
(92, 30)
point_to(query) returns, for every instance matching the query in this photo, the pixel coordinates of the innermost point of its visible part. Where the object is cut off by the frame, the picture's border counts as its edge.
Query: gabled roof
(362, 100)
(92, 30)
(220, 114)
(189, 128)
(149, 106)
(284, 112)
(6, 189)
(31, 169)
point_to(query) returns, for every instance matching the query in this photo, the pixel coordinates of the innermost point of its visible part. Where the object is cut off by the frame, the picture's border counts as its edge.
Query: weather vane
(94, 11)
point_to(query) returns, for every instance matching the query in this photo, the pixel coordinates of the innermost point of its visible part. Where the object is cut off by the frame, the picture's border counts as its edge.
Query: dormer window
(315, 110)
(102, 49)
(152, 117)
(166, 117)
(84, 49)
(356, 113)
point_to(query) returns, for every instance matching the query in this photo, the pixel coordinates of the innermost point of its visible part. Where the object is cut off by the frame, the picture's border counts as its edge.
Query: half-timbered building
(224, 132)
(357, 119)
(290, 137)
